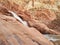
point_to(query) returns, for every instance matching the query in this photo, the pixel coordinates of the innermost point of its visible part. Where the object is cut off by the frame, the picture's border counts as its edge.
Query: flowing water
(18, 18)
(54, 38)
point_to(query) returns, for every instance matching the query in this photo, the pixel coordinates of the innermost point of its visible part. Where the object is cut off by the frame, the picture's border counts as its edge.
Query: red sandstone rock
(41, 22)
(15, 33)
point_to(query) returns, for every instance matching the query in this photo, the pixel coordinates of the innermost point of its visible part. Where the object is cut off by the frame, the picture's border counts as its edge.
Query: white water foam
(51, 37)
(18, 18)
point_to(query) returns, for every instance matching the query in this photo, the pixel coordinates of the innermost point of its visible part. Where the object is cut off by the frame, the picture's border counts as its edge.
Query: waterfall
(18, 18)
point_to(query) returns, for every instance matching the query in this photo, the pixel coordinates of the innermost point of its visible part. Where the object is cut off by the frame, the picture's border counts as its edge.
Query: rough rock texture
(13, 32)
(44, 17)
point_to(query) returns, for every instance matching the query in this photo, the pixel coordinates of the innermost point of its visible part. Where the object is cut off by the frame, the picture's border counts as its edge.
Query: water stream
(54, 38)
(18, 18)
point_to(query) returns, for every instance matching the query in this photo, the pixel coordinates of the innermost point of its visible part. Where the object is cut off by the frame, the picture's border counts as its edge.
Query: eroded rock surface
(37, 21)
(15, 33)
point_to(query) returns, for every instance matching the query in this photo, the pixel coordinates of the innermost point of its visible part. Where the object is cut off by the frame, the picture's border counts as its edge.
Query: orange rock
(15, 33)
(45, 15)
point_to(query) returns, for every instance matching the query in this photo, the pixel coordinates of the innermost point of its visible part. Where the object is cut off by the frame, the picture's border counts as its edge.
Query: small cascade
(18, 18)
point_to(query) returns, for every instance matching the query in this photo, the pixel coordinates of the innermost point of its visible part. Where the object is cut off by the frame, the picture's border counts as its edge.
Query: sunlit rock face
(36, 5)
(12, 4)
(27, 4)
(43, 15)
